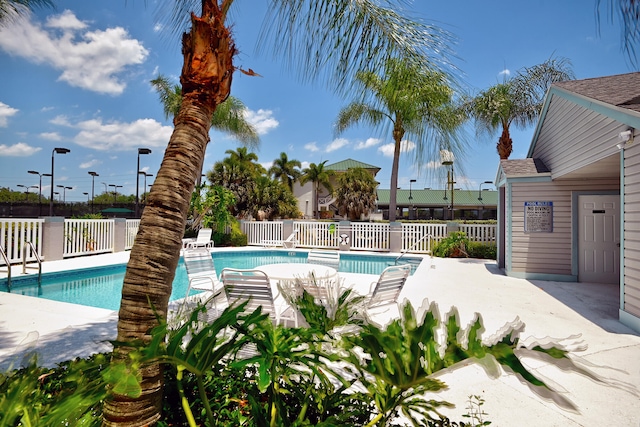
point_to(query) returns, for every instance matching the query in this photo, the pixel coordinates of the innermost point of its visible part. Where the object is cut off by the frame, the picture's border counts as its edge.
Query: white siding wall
(573, 137)
(546, 253)
(632, 230)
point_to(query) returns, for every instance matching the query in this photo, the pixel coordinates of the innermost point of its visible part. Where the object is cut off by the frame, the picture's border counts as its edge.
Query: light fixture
(625, 138)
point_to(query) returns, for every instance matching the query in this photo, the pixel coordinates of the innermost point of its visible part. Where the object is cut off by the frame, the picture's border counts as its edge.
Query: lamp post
(411, 181)
(86, 194)
(115, 192)
(64, 192)
(40, 175)
(57, 194)
(481, 209)
(93, 177)
(58, 150)
(145, 184)
(140, 151)
(446, 158)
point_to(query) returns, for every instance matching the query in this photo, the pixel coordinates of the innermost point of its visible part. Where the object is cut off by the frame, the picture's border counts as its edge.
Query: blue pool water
(101, 287)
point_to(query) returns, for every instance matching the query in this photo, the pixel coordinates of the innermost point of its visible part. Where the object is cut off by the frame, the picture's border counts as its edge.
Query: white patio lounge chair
(289, 242)
(202, 240)
(388, 286)
(201, 270)
(328, 258)
(254, 286)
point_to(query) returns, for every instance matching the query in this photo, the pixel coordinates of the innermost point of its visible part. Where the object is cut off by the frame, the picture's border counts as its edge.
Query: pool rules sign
(538, 217)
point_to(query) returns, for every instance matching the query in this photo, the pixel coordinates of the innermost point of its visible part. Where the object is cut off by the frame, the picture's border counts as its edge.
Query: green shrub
(452, 246)
(482, 250)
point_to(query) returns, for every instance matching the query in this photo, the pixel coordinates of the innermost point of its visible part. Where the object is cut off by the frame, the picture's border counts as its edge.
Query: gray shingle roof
(622, 90)
(523, 167)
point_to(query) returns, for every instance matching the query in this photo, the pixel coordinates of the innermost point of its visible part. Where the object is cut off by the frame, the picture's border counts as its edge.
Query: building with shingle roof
(570, 210)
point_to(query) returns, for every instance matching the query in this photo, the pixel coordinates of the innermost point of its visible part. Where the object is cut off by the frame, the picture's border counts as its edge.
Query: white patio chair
(388, 286)
(202, 240)
(290, 242)
(328, 258)
(254, 286)
(202, 275)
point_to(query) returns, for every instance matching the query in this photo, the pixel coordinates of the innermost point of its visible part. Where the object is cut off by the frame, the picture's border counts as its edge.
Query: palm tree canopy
(228, 116)
(332, 40)
(317, 174)
(628, 11)
(516, 101)
(10, 9)
(286, 170)
(412, 102)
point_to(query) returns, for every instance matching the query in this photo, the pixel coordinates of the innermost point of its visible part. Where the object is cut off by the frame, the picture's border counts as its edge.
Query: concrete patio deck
(560, 310)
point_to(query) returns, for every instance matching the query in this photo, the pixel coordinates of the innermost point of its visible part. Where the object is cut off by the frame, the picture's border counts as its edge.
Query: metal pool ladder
(8, 264)
(24, 259)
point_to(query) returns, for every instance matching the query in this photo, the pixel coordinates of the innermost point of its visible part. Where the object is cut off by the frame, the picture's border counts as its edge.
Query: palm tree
(356, 194)
(629, 15)
(319, 176)
(228, 117)
(325, 39)
(10, 9)
(516, 101)
(412, 100)
(237, 173)
(285, 170)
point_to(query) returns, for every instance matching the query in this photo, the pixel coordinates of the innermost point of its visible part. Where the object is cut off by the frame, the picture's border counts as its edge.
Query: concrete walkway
(584, 313)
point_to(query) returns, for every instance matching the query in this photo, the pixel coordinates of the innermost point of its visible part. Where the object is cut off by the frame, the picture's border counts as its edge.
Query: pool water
(102, 287)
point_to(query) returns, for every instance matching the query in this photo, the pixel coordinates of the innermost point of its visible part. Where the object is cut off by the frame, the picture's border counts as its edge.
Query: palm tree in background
(286, 170)
(319, 176)
(516, 101)
(322, 39)
(10, 9)
(356, 193)
(228, 117)
(628, 12)
(412, 101)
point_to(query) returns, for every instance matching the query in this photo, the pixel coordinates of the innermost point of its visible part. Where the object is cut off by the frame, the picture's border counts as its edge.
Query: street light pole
(64, 192)
(140, 151)
(145, 185)
(481, 209)
(446, 158)
(93, 177)
(58, 150)
(40, 175)
(411, 181)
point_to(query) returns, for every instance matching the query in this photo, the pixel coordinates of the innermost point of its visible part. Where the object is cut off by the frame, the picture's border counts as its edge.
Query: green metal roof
(435, 198)
(344, 165)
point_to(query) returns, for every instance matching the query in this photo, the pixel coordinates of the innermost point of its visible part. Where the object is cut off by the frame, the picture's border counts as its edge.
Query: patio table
(286, 276)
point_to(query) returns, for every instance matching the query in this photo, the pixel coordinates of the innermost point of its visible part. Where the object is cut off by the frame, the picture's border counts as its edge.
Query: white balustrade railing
(418, 237)
(483, 233)
(88, 236)
(13, 234)
(316, 234)
(370, 236)
(131, 231)
(259, 232)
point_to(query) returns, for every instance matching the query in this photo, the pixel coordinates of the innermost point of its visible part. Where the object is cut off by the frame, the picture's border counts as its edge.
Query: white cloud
(5, 113)
(51, 136)
(405, 147)
(506, 72)
(91, 163)
(304, 165)
(336, 144)
(89, 59)
(118, 136)
(311, 146)
(262, 120)
(370, 142)
(18, 150)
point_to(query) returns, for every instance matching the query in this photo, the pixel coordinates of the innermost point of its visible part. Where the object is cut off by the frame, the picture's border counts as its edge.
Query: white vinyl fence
(88, 236)
(13, 234)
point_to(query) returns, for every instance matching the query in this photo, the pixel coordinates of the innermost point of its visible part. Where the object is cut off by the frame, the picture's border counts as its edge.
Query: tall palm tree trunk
(206, 79)
(398, 133)
(505, 144)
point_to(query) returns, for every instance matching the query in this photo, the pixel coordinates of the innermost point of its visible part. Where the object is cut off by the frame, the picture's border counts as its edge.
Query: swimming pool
(101, 287)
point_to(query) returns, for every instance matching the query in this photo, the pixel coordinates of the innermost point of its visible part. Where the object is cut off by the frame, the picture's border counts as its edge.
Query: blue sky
(78, 77)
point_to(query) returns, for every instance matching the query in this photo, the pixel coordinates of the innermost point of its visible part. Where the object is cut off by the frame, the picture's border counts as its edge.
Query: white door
(599, 239)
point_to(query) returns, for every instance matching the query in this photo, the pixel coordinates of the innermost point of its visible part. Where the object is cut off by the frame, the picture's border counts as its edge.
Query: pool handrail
(26, 245)
(8, 264)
